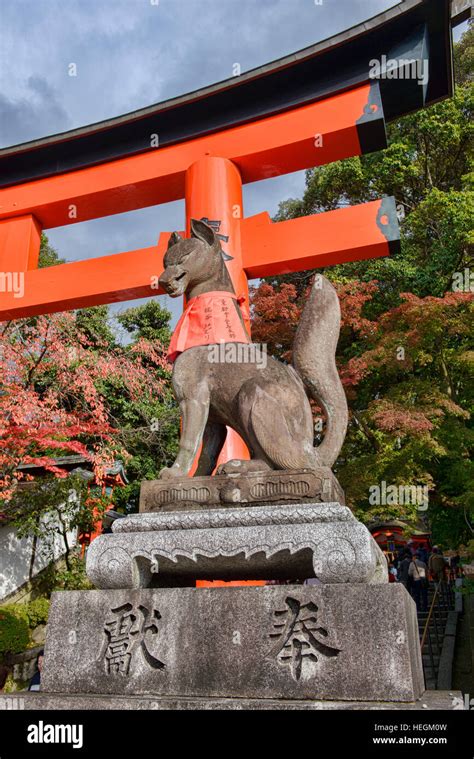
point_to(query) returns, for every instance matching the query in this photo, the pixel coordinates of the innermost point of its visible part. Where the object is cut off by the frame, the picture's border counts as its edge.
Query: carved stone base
(285, 542)
(302, 486)
(342, 643)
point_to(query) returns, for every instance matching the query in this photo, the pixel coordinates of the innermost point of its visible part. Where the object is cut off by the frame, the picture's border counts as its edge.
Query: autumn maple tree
(56, 377)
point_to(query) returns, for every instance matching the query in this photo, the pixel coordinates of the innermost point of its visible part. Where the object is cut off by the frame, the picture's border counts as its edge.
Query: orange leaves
(353, 296)
(275, 317)
(397, 418)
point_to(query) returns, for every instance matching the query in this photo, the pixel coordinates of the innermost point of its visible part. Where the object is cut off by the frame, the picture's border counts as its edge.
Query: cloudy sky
(132, 53)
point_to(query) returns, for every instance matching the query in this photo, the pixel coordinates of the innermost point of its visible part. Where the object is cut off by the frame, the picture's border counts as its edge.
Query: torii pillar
(213, 192)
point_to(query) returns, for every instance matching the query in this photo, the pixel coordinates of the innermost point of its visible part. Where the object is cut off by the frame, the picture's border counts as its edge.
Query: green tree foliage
(58, 577)
(148, 322)
(17, 621)
(37, 612)
(410, 389)
(48, 255)
(428, 168)
(464, 57)
(95, 325)
(14, 631)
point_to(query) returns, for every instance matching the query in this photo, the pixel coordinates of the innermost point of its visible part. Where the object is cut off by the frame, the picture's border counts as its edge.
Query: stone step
(431, 700)
(427, 658)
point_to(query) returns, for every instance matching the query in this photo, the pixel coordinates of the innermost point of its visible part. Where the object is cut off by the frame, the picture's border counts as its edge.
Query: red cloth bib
(209, 318)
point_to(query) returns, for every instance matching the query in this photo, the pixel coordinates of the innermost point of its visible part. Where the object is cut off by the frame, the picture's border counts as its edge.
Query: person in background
(35, 682)
(403, 574)
(437, 565)
(418, 572)
(424, 555)
(392, 572)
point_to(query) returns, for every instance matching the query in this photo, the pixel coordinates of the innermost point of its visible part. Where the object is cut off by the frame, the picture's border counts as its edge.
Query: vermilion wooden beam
(347, 234)
(312, 135)
(92, 282)
(20, 241)
(354, 233)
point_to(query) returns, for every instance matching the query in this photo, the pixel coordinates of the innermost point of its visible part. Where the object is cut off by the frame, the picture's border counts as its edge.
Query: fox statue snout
(267, 403)
(190, 263)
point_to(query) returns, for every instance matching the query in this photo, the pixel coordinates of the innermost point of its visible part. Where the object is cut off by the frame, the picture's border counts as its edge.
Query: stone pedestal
(148, 639)
(259, 542)
(241, 487)
(333, 642)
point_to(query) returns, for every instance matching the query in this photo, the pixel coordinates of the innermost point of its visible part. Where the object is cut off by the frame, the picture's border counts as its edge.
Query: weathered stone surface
(294, 541)
(349, 642)
(302, 485)
(429, 701)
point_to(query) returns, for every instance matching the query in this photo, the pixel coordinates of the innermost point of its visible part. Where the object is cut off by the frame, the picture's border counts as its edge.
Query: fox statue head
(196, 265)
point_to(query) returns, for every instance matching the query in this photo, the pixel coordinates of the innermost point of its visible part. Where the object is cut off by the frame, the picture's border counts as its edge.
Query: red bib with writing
(209, 318)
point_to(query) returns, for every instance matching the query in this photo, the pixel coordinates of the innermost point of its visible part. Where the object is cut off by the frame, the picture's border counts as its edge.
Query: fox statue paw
(238, 466)
(170, 472)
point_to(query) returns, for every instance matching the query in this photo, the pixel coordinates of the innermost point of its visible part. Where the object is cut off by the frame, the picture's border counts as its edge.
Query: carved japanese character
(298, 636)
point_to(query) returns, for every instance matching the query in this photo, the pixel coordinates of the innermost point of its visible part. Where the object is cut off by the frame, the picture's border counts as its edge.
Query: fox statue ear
(175, 237)
(203, 232)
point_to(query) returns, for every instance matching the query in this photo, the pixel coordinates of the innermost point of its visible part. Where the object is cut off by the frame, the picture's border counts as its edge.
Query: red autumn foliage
(50, 398)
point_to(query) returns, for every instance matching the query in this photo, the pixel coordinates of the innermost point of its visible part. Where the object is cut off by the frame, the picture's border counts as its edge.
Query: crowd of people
(415, 568)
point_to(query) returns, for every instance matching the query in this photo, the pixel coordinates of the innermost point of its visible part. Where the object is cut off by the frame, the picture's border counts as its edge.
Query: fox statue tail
(314, 359)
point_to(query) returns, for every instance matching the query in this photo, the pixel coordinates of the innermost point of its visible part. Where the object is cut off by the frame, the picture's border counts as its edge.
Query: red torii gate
(208, 170)
(268, 147)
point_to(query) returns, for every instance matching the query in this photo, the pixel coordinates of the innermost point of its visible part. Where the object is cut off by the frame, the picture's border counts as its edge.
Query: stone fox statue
(267, 405)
